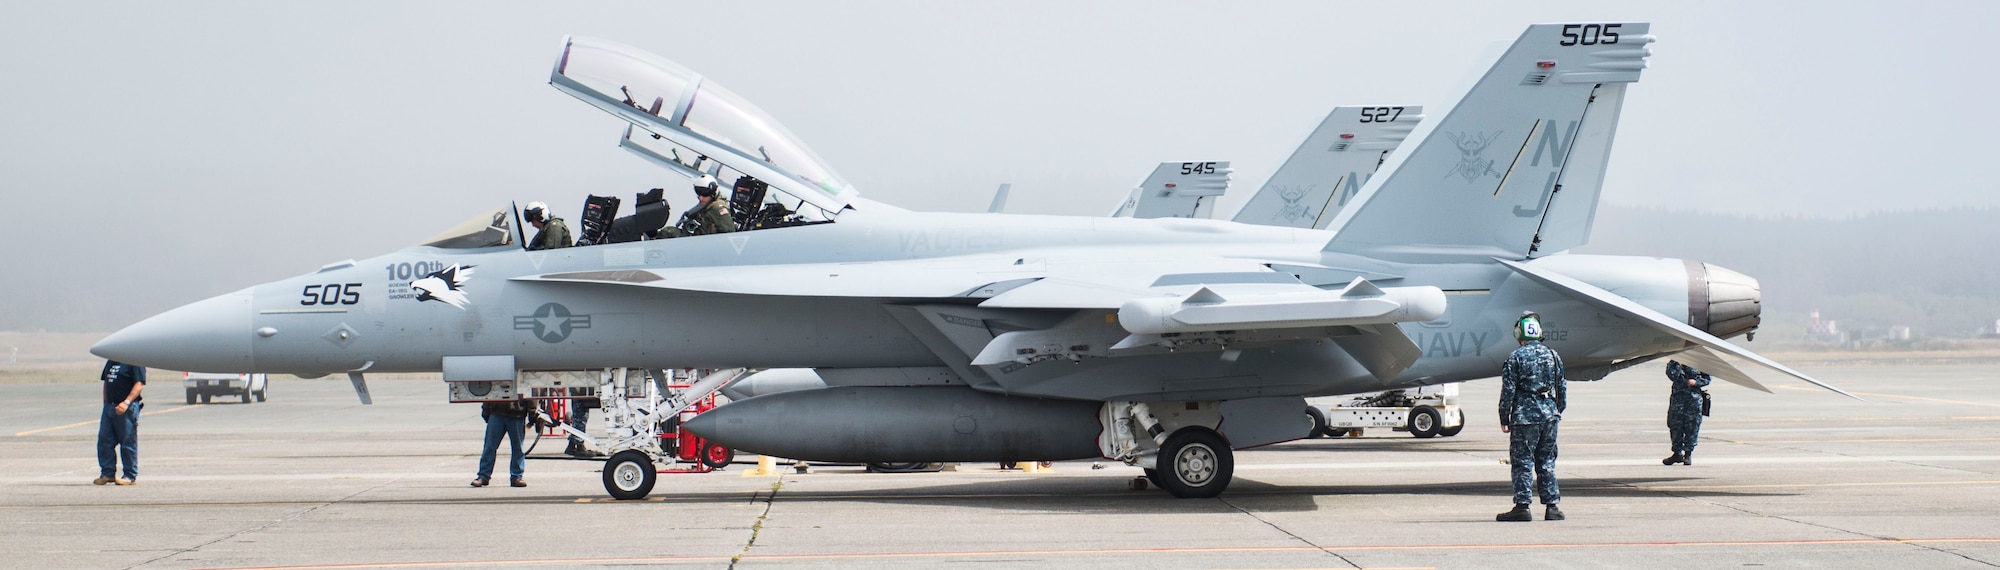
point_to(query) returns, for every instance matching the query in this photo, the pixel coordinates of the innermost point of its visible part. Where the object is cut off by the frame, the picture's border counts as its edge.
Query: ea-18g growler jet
(1164, 343)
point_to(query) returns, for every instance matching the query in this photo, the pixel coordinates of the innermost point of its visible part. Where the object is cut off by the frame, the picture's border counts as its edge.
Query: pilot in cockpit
(711, 216)
(551, 232)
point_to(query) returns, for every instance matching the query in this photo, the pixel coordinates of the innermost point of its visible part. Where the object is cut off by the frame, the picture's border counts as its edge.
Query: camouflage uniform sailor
(1532, 398)
(1684, 411)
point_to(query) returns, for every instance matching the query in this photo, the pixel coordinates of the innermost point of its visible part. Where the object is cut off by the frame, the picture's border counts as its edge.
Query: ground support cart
(642, 412)
(1427, 411)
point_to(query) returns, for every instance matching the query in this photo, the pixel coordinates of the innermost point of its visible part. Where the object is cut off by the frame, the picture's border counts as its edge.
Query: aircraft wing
(914, 280)
(1612, 302)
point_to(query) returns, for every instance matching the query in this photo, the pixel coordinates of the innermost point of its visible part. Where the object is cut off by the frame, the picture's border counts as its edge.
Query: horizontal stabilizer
(1615, 304)
(1715, 366)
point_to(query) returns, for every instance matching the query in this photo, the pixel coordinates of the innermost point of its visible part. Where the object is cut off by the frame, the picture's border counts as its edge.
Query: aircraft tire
(1451, 431)
(629, 475)
(1196, 464)
(1153, 476)
(1318, 422)
(1424, 422)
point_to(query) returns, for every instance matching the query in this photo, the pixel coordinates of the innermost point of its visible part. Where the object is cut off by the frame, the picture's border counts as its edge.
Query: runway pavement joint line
(88, 422)
(287, 518)
(1274, 526)
(1919, 398)
(1164, 550)
(758, 526)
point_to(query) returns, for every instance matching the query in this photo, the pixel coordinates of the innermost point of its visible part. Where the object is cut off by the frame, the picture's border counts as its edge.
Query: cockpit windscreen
(493, 228)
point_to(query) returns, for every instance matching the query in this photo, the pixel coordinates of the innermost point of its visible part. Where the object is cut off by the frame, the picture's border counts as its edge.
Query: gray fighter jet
(1164, 343)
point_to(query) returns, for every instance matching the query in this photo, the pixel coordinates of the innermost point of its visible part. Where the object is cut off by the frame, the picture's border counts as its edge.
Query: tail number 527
(1380, 114)
(1589, 34)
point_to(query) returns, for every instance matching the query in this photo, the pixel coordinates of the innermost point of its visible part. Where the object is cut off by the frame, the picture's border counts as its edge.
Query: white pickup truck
(202, 386)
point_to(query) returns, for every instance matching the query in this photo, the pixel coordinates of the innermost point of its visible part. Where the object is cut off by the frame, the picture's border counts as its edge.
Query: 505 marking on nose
(331, 294)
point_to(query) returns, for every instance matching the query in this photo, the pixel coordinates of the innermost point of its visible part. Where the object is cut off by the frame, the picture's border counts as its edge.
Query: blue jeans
(514, 429)
(118, 435)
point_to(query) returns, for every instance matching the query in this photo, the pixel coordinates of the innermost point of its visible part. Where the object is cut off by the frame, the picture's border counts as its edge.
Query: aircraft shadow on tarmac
(1104, 495)
(1080, 495)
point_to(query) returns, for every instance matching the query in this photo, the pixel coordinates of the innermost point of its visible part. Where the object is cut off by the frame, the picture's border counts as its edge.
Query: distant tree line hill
(1937, 272)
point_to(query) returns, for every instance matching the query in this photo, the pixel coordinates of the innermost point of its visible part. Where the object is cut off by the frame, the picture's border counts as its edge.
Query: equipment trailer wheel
(1451, 431)
(1424, 421)
(248, 396)
(1318, 422)
(717, 456)
(629, 475)
(1195, 464)
(260, 393)
(191, 397)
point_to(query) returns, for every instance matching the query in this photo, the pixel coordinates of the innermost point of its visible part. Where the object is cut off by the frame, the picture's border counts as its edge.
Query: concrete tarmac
(311, 479)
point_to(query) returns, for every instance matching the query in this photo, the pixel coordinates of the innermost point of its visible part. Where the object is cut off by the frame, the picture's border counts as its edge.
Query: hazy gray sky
(155, 153)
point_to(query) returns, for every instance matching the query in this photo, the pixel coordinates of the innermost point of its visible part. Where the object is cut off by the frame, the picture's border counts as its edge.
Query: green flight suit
(714, 218)
(554, 234)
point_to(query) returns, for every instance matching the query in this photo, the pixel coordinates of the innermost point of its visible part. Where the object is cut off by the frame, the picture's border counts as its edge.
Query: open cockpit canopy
(488, 229)
(693, 126)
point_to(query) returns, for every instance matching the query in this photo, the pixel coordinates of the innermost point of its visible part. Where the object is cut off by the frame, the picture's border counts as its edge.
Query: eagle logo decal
(444, 285)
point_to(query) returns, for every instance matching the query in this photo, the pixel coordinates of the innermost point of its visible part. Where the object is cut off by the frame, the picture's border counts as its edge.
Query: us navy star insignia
(552, 322)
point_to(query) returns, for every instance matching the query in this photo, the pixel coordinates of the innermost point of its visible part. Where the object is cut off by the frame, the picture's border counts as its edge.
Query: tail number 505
(1589, 34)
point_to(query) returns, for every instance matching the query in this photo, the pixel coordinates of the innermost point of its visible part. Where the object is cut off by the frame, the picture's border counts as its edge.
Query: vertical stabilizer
(1327, 171)
(1177, 190)
(1517, 160)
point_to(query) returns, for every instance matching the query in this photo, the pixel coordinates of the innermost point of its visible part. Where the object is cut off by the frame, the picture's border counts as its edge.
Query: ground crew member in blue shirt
(118, 425)
(1685, 407)
(1532, 399)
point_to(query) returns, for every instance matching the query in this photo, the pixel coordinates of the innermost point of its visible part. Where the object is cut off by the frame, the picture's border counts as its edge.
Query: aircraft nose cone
(704, 425)
(211, 335)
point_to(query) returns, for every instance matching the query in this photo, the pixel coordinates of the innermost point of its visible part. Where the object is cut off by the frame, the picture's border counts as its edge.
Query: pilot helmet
(535, 212)
(705, 186)
(1528, 327)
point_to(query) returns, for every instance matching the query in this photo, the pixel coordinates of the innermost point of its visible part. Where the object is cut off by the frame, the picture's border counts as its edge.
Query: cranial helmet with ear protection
(705, 186)
(1528, 327)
